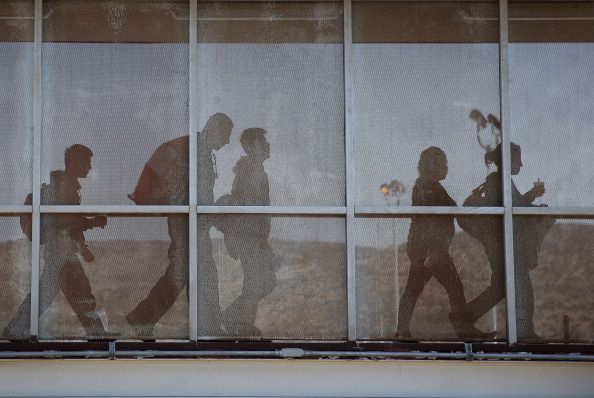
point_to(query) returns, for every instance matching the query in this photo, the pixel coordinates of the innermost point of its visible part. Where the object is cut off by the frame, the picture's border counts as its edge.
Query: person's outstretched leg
(418, 276)
(77, 291)
(49, 287)
(209, 308)
(525, 305)
(165, 292)
(240, 316)
(444, 270)
(259, 280)
(495, 292)
(19, 324)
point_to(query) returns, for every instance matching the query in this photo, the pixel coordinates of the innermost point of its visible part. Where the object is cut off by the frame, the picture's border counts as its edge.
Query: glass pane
(553, 279)
(425, 74)
(125, 280)
(430, 280)
(546, 21)
(276, 66)
(16, 100)
(15, 277)
(272, 277)
(116, 21)
(551, 62)
(115, 79)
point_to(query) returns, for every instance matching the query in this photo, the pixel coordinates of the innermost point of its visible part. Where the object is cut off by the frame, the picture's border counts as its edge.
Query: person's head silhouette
(77, 160)
(254, 143)
(217, 131)
(494, 157)
(433, 164)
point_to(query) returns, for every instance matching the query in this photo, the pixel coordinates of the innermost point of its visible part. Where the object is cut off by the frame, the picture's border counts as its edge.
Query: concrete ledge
(294, 378)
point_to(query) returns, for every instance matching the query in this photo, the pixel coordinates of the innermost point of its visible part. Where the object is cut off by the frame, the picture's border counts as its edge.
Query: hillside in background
(562, 286)
(309, 300)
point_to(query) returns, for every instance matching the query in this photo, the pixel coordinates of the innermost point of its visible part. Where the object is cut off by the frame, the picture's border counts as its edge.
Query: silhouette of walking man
(246, 237)
(62, 238)
(164, 180)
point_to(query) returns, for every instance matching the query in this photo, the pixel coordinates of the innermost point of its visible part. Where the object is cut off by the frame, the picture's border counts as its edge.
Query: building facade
(399, 180)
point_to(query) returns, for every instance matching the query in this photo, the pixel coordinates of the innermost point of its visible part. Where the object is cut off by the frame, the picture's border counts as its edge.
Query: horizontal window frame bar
(16, 209)
(118, 209)
(554, 211)
(376, 211)
(287, 210)
(135, 209)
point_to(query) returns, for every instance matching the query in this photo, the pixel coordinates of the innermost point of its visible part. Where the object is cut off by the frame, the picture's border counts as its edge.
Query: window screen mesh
(413, 92)
(387, 281)
(16, 100)
(116, 89)
(553, 279)
(425, 76)
(126, 280)
(551, 103)
(276, 66)
(15, 278)
(290, 283)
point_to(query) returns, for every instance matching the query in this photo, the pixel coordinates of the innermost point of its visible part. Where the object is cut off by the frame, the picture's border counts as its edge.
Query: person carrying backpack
(529, 233)
(164, 181)
(62, 240)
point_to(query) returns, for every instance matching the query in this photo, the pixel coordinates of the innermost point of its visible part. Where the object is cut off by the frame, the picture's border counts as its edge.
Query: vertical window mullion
(350, 206)
(510, 284)
(193, 187)
(36, 217)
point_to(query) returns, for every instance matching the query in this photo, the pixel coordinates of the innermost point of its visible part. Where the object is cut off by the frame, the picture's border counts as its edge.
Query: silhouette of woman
(428, 245)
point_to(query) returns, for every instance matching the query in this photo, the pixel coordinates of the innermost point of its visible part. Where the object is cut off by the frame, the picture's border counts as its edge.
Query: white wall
(294, 378)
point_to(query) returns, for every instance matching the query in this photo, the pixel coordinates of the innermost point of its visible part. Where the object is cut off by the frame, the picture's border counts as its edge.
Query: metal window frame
(36, 215)
(508, 228)
(193, 158)
(349, 211)
(349, 171)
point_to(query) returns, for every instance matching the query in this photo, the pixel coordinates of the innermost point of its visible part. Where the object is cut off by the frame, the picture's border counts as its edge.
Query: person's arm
(92, 222)
(238, 188)
(206, 177)
(533, 194)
